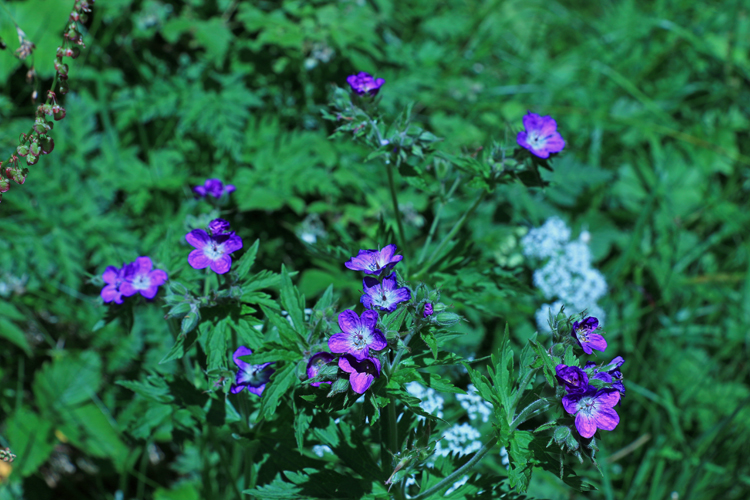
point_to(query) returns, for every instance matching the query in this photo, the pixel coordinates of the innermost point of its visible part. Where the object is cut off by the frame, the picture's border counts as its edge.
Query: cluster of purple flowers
(592, 406)
(135, 277)
(213, 187)
(212, 250)
(360, 338)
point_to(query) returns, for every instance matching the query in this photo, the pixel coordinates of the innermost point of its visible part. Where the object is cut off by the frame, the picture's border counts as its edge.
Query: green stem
(392, 428)
(225, 465)
(434, 225)
(400, 353)
(456, 227)
(394, 199)
(521, 389)
(458, 473)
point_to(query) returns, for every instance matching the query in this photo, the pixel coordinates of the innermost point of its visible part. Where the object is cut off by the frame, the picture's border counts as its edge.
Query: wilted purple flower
(143, 279)
(316, 362)
(361, 372)
(593, 409)
(541, 136)
(574, 379)
(385, 295)
(364, 83)
(214, 187)
(254, 377)
(212, 250)
(358, 336)
(582, 332)
(610, 373)
(428, 310)
(114, 278)
(374, 261)
(218, 226)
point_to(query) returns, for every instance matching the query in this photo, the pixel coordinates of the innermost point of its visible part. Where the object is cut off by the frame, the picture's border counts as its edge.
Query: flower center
(213, 251)
(535, 140)
(360, 339)
(141, 282)
(583, 335)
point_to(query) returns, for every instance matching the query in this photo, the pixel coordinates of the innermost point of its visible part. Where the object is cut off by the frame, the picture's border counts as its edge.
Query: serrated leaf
(243, 266)
(301, 424)
(154, 388)
(292, 300)
(11, 332)
(325, 301)
(549, 365)
(181, 346)
(291, 337)
(215, 338)
(279, 385)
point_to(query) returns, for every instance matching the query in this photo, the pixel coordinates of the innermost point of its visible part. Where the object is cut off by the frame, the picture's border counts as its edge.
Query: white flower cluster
(461, 438)
(474, 405)
(567, 275)
(321, 449)
(432, 402)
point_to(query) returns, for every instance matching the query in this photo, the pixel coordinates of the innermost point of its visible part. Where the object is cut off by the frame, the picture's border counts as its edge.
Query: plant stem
(434, 225)
(400, 353)
(533, 409)
(458, 473)
(392, 427)
(456, 227)
(394, 199)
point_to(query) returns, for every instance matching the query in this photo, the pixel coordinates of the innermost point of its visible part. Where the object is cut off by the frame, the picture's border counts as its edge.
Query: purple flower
(428, 310)
(254, 377)
(214, 187)
(143, 279)
(574, 379)
(610, 373)
(384, 295)
(593, 409)
(218, 226)
(212, 250)
(358, 336)
(361, 372)
(582, 332)
(364, 83)
(375, 261)
(114, 278)
(541, 136)
(316, 362)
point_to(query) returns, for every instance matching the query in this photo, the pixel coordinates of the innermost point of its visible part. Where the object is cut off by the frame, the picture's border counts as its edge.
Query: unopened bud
(59, 112)
(447, 318)
(18, 174)
(339, 386)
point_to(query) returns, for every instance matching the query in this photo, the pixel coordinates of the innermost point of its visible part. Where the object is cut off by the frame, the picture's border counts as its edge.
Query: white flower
(474, 405)
(432, 402)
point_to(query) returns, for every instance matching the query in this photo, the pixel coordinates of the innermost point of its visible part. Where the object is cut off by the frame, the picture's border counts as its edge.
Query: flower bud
(59, 112)
(339, 386)
(31, 160)
(4, 185)
(62, 87)
(447, 318)
(22, 150)
(35, 149)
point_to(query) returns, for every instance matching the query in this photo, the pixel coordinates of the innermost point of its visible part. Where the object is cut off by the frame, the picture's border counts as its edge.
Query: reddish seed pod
(30, 160)
(22, 150)
(74, 16)
(60, 113)
(62, 87)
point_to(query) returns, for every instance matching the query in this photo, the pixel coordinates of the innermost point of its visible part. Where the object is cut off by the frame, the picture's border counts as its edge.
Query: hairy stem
(458, 473)
(394, 199)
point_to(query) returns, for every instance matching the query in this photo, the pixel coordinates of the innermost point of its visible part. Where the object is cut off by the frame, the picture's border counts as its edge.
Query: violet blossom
(114, 278)
(594, 409)
(252, 377)
(218, 226)
(374, 261)
(317, 361)
(361, 372)
(213, 187)
(540, 135)
(583, 333)
(364, 83)
(573, 378)
(143, 278)
(212, 250)
(610, 373)
(385, 295)
(358, 336)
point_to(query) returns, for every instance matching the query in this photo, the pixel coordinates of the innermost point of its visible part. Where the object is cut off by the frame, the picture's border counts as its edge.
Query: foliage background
(651, 97)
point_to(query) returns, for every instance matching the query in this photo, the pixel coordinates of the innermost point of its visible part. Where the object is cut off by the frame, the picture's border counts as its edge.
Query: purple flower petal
(110, 294)
(348, 321)
(242, 351)
(197, 238)
(221, 265)
(339, 343)
(198, 260)
(369, 319)
(158, 277)
(378, 342)
(607, 419)
(360, 382)
(233, 244)
(597, 342)
(586, 425)
(111, 275)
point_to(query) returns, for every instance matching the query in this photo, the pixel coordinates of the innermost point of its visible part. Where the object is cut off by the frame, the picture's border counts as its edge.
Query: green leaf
(431, 341)
(153, 388)
(292, 300)
(440, 384)
(286, 331)
(30, 437)
(181, 346)
(393, 322)
(549, 362)
(14, 334)
(215, 338)
(67, 381)
(521, 460)
(301, 423)
(246, 262)
(279, 385)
